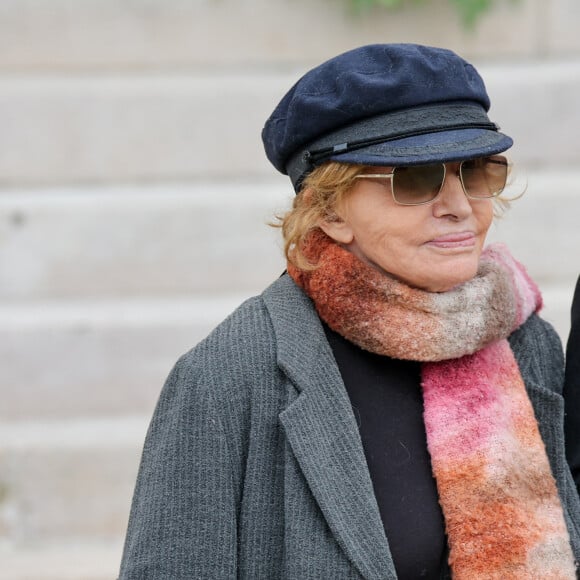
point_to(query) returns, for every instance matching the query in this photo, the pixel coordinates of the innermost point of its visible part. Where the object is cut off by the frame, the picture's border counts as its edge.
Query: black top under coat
(572, 391)
(386, 397)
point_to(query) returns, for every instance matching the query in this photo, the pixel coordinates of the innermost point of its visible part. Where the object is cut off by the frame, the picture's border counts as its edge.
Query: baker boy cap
(383, 104)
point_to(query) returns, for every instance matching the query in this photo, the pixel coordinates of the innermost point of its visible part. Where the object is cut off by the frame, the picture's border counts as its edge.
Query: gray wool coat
(253, 467)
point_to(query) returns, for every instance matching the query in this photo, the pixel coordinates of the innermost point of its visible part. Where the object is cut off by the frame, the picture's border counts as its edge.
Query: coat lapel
(323, 434)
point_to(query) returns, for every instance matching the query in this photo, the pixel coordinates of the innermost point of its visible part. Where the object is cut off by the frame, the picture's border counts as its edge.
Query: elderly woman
(392, 406)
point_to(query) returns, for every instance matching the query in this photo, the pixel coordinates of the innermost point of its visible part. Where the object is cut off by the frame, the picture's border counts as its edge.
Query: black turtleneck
(386, 399)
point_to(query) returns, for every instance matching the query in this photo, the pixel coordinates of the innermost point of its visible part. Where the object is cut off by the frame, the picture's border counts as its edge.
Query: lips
(454, 240)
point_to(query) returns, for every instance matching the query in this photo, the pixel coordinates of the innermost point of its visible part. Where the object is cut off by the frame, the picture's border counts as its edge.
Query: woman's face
(434, 247)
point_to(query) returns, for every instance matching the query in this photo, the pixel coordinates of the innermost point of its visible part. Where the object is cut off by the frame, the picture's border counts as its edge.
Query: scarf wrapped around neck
(502, 512)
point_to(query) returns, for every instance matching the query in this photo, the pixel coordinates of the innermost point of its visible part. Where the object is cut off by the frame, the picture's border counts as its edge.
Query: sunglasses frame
(459, 174)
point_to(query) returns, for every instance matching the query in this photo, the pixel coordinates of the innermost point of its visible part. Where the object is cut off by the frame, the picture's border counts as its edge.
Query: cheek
(400, 239)
(393, 247)
(484, 215)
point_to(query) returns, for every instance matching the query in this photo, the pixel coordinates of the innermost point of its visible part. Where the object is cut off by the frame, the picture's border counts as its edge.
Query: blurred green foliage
(469, 10)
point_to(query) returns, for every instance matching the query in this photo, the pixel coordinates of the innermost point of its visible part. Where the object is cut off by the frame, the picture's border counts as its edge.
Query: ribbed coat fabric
(253, 466)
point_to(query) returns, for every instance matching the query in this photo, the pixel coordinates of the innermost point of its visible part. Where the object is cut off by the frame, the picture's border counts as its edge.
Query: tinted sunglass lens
(484, 177)
(418, 184)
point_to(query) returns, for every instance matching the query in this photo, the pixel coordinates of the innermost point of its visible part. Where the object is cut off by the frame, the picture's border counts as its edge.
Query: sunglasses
(480, 178)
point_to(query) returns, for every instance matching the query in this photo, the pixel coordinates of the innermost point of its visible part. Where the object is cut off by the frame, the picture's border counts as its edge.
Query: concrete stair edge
(120, 363)
(190, 239)
(177, 126)
(104, 432)
(65, 560)
(99, 33)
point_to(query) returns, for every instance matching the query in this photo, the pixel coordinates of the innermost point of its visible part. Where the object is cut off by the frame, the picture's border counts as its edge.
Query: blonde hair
(323, 191)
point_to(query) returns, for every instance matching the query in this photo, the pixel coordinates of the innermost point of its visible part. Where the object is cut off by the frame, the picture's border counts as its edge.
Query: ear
(338, 230)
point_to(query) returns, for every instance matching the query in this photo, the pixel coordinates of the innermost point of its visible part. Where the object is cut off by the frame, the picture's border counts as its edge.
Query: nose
(452, 201)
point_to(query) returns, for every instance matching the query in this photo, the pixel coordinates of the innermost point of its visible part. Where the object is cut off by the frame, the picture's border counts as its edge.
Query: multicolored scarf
(502, 512)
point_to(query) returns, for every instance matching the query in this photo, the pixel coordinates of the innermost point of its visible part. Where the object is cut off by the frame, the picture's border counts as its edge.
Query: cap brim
(439, 147)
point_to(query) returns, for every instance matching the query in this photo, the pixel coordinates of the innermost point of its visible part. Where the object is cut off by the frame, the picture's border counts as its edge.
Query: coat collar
(322, 431)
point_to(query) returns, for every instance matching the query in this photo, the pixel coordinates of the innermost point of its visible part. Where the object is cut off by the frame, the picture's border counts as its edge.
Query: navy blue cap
(383, 104)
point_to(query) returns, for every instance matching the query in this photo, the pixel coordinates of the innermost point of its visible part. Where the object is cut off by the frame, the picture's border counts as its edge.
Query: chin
(455, 275)
(446, 284)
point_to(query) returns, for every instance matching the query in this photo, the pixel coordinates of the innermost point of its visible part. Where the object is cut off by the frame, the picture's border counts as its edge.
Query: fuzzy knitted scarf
(502, 512)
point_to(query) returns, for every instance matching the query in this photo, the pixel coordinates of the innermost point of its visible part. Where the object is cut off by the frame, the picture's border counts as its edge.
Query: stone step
(67, 481)
(63, 129)
(103, 243)
(68, 34)
(165, 127)
(64, 561)
(60, 361)
(68, 359)
(140, 241)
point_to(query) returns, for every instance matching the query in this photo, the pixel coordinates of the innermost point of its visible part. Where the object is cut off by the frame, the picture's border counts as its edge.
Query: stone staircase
(134, 198)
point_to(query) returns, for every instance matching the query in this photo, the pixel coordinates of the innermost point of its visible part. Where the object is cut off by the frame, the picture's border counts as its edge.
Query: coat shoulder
(237, 355)
(246, 332)
(239, 358)
(539, 353)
